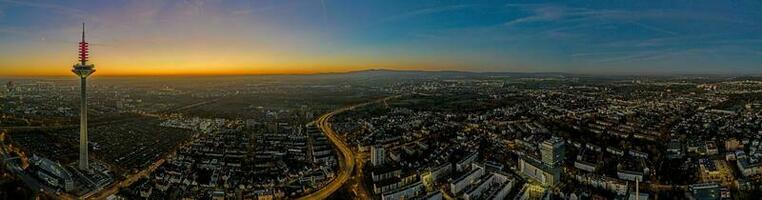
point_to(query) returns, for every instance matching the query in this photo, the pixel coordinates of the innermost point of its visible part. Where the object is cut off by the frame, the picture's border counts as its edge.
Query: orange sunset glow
(39, 38)
(380, 99)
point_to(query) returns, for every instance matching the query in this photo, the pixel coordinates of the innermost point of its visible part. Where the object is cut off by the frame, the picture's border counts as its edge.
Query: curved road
(346, 160)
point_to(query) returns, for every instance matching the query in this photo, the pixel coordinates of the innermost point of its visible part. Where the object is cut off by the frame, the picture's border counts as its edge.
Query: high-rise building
(83, 70)
(552, 151)
(531, 167)
(546, 169)
(377, 155)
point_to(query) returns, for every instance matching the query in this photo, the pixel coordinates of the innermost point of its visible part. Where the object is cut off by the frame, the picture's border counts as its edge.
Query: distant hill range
(414, 74)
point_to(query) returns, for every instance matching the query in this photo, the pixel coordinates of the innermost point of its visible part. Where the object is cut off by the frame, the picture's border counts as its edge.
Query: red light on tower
(83, 53)
(83, 47)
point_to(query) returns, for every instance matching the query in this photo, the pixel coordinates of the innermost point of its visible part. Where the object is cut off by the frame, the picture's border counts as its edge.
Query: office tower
(377, 155)
(552, 151)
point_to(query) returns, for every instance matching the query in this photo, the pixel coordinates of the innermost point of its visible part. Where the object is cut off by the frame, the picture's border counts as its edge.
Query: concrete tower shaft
(83, 70)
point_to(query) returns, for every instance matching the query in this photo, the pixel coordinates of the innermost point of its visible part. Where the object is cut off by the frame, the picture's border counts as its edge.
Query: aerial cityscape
(397, 100)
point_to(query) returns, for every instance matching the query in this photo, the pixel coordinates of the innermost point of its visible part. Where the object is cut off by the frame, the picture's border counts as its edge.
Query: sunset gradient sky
(146, 37)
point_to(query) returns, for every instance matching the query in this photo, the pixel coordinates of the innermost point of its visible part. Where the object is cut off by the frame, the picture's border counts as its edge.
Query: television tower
(83, 70)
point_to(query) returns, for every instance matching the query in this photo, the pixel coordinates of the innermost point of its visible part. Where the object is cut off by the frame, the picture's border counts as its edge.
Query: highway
(346, 159)
(132, 178)
(28, 179)
(114, 188)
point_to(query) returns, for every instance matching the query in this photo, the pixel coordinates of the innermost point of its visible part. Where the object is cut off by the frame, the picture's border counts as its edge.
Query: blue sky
(640, 37)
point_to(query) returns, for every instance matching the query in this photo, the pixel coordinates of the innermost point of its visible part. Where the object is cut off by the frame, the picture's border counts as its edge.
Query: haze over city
(380, 100)
(266, 37)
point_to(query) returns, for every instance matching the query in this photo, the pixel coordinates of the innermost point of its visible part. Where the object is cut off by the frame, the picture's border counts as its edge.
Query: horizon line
(387, 69)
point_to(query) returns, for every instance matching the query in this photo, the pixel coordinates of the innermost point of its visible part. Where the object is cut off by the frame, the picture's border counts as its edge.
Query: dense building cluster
(237, 159)
(436, 137)
(607, 136)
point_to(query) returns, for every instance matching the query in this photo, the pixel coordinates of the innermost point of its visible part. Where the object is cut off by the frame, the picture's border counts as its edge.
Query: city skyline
(298, 37)
(380, 100)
